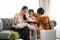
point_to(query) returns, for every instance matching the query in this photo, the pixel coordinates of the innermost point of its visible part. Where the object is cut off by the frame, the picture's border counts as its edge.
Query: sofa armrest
(48, 34)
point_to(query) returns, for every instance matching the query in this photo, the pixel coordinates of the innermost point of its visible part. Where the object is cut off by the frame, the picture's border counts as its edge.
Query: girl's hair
(24, 7)
(31, 10)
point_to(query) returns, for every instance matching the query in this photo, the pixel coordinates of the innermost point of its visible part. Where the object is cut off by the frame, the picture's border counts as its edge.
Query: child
(32, 20)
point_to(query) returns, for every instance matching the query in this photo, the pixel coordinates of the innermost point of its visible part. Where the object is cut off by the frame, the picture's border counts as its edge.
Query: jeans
(23, 33)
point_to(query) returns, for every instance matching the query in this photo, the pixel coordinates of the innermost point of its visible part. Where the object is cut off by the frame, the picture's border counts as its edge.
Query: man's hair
(24, 7)
(40, 11)
(31, 10)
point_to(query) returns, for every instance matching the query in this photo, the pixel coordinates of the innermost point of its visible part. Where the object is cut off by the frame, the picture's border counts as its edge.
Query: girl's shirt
(32, 19)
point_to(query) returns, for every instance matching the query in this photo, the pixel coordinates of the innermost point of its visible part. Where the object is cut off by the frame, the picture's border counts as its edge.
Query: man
(43, 21)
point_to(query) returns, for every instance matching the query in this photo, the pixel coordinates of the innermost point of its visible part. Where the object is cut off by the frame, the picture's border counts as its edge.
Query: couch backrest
(7, 23)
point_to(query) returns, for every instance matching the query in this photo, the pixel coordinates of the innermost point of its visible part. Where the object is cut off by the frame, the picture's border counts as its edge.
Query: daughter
(32, 21)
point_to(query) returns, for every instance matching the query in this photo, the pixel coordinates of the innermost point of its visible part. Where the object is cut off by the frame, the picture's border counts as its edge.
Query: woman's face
(25, 11)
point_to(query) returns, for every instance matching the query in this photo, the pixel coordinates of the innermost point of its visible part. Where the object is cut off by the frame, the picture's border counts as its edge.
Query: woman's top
(19, 18)
(21, 22)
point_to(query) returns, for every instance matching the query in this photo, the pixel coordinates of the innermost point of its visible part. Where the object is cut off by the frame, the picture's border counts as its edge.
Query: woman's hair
(40, 11)
(24, 7)
(24, 17)
(31, 10)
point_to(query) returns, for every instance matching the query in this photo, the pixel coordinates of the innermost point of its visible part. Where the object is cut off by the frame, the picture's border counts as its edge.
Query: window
(8, 8)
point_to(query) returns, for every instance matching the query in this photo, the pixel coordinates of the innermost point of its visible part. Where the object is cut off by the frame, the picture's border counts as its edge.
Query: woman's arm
(15, 21)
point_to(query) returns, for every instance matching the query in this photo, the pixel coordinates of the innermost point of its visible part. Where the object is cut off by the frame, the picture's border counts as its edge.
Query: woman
(43, 21)
(20, 23)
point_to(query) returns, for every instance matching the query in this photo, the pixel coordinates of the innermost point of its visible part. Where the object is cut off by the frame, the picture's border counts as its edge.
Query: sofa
(5, 27)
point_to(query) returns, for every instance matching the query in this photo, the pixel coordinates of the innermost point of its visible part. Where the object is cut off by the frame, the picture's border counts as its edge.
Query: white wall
(54, 13)
(8, 8)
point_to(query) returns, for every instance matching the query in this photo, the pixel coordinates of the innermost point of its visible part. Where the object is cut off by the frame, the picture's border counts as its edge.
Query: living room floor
(39, 39)
(57, 39)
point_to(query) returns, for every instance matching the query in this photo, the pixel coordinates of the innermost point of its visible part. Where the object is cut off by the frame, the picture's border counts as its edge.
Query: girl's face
(31, 13)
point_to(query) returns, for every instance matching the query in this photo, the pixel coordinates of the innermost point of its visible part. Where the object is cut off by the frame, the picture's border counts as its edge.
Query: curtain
(44, 4)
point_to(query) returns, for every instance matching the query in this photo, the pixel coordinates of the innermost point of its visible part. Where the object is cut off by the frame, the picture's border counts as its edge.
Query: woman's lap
(22, 32)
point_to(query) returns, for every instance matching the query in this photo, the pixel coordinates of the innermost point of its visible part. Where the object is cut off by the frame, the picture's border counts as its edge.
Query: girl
(32, 21)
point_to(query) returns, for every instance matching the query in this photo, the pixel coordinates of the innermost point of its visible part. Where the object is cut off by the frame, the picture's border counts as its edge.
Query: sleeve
(35, 15)
(45, 19)
(16, 16)
(15, 22)
(49, 23)
(46, 22)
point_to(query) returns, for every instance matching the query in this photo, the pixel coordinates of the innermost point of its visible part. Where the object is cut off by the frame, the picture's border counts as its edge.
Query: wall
(54, 14)
(44, 4)
(54, 11)
(8, 8)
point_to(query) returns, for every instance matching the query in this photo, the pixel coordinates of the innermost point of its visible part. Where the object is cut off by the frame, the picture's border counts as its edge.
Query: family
(35, 21)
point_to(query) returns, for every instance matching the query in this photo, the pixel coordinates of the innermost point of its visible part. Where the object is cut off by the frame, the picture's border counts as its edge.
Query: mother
(20, 23)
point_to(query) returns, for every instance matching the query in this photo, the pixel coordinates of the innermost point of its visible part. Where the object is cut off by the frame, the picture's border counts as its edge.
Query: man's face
(38, 14)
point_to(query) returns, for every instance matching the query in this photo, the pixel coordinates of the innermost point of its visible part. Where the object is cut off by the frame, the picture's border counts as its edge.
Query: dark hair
(40, 11)
(31, 10)
(24, 17)
(24, 7)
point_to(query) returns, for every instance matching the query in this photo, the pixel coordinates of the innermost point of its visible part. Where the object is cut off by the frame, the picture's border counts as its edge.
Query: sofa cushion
(7, 23)
(4, 34)
(1, 25)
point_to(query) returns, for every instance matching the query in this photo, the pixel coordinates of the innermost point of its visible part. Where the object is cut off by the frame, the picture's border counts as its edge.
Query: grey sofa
(5, 27)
